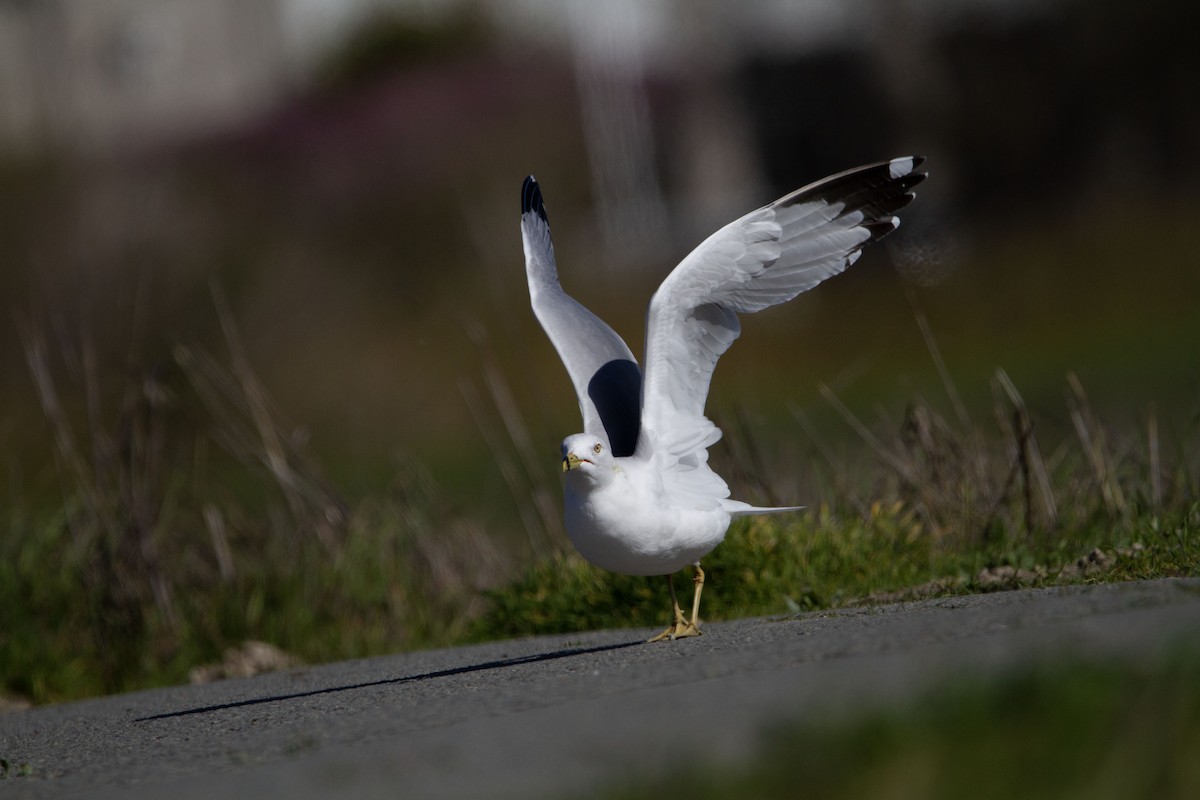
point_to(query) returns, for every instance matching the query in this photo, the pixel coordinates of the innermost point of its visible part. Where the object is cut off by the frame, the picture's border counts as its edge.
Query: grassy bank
(825, 560)
(188, 517)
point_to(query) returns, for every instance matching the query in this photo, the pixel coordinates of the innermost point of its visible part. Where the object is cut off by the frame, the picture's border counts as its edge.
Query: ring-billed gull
(640, 498)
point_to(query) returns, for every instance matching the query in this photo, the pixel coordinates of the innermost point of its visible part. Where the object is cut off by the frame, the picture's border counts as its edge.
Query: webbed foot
(681, 626)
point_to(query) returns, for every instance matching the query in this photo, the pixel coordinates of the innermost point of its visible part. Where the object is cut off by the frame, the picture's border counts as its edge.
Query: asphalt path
(559, 715)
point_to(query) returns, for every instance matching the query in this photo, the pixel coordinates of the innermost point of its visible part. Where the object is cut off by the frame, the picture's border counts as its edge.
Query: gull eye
(597, 448)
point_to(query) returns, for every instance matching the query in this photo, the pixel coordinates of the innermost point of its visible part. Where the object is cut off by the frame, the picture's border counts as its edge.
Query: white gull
(640, 498)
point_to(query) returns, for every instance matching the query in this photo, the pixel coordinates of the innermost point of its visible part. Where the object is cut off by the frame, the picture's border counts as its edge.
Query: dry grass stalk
(843, 486)
(926, 460)
(518, 485)
(1091, 436)
(300, 485)
(935, 353)
(953, 478)
(901, 467)
(509, 411)
(115, 489)
(249, 427)
(749, 467)
(72, 466)
(979, 452)
(1156, 489)
(220, 542)
(1029, 455)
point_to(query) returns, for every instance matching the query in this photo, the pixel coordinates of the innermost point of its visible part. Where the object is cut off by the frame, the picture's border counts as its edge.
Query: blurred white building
(93, 75)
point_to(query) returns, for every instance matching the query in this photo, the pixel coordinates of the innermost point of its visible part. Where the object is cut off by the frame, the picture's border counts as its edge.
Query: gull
(639, 495)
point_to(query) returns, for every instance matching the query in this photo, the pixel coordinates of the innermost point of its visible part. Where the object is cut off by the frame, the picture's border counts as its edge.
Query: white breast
(623, 529)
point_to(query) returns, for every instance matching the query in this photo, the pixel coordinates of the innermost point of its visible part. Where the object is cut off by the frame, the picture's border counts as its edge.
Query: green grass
(769, 566)
(187, 518)
(190, 518)
(78, 624)
(1060, 730)
(164, 554)
(401, 583)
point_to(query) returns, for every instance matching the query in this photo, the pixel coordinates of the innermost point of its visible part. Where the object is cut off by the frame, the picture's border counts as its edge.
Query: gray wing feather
(606, 376)
(767, 257)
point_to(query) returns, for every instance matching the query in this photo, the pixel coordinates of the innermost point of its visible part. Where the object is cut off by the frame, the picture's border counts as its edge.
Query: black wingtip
(906, 168)
(531, 199)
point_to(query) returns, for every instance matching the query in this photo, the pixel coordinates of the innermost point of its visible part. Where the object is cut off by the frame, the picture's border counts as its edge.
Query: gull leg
(680, 626)
(698, 580)
(677, 621)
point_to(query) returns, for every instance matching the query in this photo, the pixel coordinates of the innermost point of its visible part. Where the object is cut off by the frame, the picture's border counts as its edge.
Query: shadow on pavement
(441, 673)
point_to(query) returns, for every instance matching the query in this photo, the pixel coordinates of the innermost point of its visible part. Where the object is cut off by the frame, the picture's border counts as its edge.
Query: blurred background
(285, 232)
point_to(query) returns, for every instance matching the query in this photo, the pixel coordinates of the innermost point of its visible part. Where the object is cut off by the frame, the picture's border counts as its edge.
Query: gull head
(588, 455)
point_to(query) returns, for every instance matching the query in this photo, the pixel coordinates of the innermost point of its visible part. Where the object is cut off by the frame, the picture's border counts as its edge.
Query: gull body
(619, 517)
(639, 496)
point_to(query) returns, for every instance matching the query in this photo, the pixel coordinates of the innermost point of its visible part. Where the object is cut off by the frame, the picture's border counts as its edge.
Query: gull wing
(607, 379)
(767, 257)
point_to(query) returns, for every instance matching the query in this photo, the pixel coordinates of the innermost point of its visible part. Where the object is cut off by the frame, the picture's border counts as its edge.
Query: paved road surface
(553, 715)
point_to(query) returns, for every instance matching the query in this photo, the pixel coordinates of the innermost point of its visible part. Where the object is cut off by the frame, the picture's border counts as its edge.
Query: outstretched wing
(767, 257)
(606, 376)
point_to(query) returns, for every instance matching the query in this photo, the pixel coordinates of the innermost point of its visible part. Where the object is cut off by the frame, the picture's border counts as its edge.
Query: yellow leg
(680, 626)
(698, 580)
